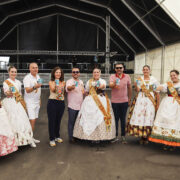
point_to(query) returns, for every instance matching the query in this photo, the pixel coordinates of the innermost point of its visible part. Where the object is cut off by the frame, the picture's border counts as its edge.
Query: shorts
(33, 111)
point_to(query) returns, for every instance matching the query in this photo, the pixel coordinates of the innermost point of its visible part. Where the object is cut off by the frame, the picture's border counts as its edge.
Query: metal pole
(162, 64)
(57, 41)
(97, 40)
(134, 66)
(146, 57)
(17, 46)
(107, 64)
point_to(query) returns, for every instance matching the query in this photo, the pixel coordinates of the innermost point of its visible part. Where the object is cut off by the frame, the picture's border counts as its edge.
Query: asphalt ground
(86, 161)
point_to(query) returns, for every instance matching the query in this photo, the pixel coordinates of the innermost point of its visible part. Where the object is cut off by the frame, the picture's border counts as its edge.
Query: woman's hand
(137, 89)
(9, 94)
(102, 86)
(52, 86)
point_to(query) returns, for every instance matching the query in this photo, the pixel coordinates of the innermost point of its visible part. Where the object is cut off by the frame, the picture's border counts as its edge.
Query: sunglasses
(75, 72)
(119, 67)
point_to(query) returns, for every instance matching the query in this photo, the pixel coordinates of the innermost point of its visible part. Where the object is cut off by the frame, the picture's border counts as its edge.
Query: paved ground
(85, 162)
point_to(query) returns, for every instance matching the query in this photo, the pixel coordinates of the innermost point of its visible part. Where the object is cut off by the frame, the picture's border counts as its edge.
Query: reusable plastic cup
(57, 82)
(76, 83)
(117, 81)
(154, 87)
(97, 83)
(137, 82)
(40, 81)
(13, 90)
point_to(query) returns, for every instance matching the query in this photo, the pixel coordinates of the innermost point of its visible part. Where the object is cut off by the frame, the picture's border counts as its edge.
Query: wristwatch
(34, 88)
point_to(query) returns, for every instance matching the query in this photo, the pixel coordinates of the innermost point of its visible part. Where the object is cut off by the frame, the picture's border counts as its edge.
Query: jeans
(55, 111)
(71, 121)
(120, 110)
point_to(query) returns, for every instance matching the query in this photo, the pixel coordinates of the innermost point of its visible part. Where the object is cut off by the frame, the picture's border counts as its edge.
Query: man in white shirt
(32, 86)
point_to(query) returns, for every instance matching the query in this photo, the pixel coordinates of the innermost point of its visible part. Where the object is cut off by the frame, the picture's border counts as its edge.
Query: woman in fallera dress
(166, 128)
(95, 120)
(15, 107)
(7, 139)
(142, 111)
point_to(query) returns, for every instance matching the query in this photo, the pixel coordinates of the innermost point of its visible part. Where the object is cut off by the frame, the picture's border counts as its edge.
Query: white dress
(17, 116)
(166, 129)
(7, 139)
(90, 124)
(142, 118)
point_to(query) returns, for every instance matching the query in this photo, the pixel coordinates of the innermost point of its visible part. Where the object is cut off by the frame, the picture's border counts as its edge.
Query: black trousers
(71, 121)
(120, 110)
(55, 110)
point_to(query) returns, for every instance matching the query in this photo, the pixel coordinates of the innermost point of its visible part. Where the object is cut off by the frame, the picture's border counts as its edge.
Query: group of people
(91, 114)
(17, 114)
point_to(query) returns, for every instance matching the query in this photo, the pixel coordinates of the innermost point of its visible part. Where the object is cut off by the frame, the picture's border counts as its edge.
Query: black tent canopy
(80, 25)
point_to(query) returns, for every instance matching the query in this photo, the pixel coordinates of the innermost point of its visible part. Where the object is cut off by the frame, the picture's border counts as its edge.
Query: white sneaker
(123, 140)
(115, 140)
(33, 145)
(36, 141)
(52, 143)
(59, 140)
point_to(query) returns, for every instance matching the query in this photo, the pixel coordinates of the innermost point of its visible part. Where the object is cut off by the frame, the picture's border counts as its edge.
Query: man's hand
(70, 88)
(113, 85)
(37, 86)
(129, 102)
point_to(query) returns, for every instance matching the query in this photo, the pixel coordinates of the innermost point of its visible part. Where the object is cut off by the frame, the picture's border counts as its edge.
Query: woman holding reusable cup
(95, 121)
(55, 106)
(143, 109)
(15, 107)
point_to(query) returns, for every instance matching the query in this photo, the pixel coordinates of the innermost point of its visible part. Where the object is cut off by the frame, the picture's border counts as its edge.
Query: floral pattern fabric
(166, 129)
(142, 112)
(7, 145)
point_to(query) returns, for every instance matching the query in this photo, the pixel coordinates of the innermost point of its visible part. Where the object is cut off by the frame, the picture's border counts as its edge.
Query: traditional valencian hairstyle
(11, 67)
(147, 66)
(97, 69)
(175, 71)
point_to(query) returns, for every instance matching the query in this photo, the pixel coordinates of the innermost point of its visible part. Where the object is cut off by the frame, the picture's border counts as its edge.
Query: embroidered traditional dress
(166, 129)
(15, 108)
(7, 139)
(95, 120)
(142, 111)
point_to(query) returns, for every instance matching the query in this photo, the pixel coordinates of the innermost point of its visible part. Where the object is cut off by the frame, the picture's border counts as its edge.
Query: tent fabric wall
(172, 9)
(129, 65)
(139, 63)
(172, 60)
(153, 58)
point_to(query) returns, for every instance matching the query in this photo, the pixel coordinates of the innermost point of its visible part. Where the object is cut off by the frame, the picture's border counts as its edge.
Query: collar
(12, 80)
(75, 79)
(33, 76)
(123, 75)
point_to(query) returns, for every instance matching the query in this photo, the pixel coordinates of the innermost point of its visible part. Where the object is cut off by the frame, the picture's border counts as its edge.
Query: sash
(107, 114)
(173, 92)
(17, 95)
(147, 93)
